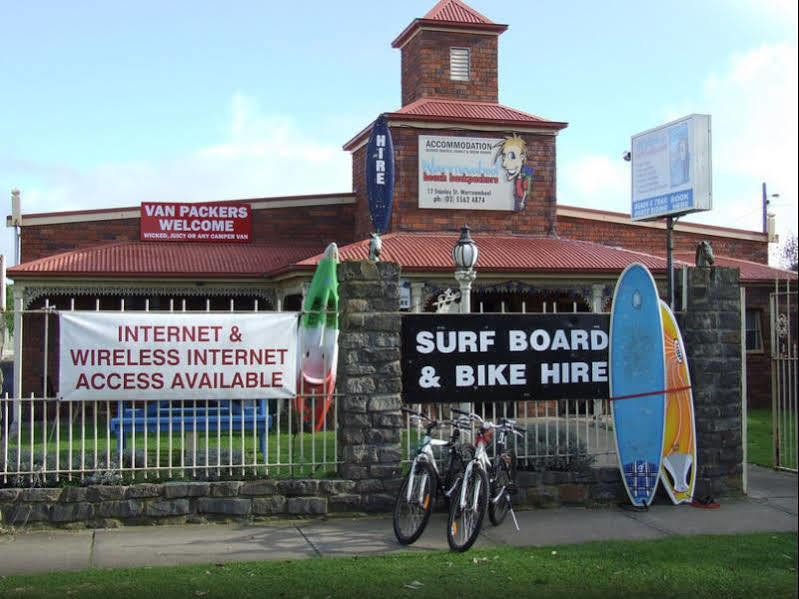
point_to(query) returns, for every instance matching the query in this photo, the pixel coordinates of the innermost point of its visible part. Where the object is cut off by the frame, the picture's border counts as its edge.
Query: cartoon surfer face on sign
(513, 151)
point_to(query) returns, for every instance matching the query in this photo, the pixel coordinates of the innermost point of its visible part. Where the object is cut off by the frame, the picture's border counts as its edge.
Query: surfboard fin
(679, 467)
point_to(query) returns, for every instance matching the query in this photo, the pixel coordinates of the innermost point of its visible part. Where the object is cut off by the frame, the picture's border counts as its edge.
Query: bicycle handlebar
(431, 423)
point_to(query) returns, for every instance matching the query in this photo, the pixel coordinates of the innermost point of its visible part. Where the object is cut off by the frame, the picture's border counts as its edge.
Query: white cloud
(263, 155)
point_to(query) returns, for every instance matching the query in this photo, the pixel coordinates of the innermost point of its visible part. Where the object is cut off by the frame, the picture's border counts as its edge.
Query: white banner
(148, 355)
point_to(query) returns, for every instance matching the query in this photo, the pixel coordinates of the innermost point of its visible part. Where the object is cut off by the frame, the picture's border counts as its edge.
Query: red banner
(210, 222)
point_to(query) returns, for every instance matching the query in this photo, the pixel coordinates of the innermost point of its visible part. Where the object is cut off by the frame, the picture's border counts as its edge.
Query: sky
(109, 104)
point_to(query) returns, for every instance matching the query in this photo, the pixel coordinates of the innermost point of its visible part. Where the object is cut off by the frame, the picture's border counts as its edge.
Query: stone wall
(200, 502)
(176, 502)
(711, 328)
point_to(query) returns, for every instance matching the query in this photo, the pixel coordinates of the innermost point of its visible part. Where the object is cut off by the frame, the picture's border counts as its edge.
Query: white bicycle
(485, 484)
(415, 499)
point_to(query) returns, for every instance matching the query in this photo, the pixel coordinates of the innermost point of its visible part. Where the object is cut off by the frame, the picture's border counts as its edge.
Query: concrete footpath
(771, 505)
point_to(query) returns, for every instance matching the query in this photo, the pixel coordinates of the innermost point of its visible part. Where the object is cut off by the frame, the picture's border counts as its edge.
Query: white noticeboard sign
(671, 169)
(153, 355)
(467, 173)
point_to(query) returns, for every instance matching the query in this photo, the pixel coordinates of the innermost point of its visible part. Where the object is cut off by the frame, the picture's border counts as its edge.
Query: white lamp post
(464, 255)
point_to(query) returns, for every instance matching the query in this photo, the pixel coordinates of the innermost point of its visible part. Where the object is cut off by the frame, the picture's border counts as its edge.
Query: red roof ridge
(684, 224)
(455, 11)
(422, 101)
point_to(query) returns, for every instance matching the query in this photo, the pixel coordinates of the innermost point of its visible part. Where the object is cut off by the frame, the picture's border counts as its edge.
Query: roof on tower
(455, 10)
(450, 13)
(460, 112)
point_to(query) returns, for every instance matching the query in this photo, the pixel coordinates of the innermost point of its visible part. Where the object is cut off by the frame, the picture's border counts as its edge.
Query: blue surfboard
(637, 381)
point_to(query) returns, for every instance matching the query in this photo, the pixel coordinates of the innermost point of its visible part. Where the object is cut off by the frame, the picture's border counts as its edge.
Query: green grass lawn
(760, 444)
(760, 565)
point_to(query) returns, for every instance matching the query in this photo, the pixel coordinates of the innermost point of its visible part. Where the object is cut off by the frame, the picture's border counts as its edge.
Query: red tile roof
(499, 253)
(751, 272)
(415, 252)
(450, 13)
(461, 112)
(173, 260)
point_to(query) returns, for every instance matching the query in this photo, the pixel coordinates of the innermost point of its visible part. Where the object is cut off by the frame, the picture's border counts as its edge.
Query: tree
(788, 254)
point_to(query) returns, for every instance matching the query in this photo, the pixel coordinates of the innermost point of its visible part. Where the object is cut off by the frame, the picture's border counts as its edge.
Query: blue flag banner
(380, 175)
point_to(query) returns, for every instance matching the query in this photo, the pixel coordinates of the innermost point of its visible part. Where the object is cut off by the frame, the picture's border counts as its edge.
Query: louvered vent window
(459, 64)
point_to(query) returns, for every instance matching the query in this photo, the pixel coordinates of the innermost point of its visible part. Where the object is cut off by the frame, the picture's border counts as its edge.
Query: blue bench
(221, 415)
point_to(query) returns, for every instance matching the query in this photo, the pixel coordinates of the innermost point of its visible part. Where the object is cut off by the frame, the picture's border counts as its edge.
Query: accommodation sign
(380, 175)
(504, 357)
(474, 173)
(209, 222)
(158, 355)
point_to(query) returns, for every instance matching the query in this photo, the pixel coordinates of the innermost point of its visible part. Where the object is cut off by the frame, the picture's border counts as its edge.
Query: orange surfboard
(678, 470)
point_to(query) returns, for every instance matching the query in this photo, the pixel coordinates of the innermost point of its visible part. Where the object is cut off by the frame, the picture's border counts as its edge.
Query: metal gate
(783, 376)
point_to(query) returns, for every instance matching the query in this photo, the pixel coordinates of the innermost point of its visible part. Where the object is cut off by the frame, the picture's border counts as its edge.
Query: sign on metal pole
(671, 169)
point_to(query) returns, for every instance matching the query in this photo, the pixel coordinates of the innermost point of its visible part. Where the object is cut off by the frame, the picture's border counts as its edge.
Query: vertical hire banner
(147, 355)
(380, 175)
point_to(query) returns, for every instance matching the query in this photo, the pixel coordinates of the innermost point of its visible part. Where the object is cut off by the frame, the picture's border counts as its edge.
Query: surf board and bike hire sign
(671, 169)
(474, 173)
(153, 355)
(380, 175)
(504, 357)
(203, 222)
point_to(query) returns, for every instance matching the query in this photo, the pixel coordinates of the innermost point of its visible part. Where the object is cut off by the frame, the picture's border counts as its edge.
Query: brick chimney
(450, 53)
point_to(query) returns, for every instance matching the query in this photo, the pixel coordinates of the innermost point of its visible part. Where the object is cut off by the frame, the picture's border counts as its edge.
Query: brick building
(535, 254)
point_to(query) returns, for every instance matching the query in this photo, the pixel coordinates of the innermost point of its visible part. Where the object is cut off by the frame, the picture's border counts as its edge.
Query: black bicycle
(417, 494)
(502, 474)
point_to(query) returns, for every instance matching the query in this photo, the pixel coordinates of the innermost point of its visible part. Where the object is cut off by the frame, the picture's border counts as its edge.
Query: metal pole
(669, 261)
(765, 209)
(465, 278)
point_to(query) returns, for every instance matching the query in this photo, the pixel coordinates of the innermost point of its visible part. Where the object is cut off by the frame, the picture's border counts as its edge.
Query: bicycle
(502, 475)
(417, 494)
(486, 485)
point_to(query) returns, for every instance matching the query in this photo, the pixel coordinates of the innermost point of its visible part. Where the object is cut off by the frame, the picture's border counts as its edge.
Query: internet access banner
(504, 357)
(149, 355)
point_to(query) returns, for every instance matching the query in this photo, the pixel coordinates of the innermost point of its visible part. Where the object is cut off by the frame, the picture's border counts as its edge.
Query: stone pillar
(711, 328)
(369, 380)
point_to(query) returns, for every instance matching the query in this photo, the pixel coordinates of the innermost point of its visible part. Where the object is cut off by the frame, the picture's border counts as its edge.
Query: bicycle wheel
(464, 523)
(498, 507)
(410, 517)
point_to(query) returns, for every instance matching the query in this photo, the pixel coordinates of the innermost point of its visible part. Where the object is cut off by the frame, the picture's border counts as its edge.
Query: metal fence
(783, 377)
(57, 441)
(564, 435)
(44, 440)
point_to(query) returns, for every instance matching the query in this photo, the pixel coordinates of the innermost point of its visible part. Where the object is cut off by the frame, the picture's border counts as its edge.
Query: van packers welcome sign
(495, 357)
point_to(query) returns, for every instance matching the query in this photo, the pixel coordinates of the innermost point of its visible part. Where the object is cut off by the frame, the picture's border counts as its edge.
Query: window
(754, 335)
(459, 64)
